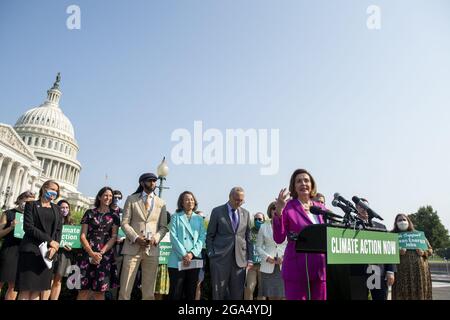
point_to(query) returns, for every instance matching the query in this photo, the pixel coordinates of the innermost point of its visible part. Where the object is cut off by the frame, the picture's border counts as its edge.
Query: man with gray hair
(229, 247)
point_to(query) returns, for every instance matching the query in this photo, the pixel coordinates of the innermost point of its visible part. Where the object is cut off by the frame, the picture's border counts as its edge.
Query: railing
(439, 266)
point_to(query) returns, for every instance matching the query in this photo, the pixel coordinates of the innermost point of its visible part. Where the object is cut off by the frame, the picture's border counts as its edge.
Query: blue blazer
(185, 236)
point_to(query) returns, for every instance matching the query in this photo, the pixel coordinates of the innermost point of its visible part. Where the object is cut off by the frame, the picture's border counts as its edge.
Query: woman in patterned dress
(413, 278)
(98, 236)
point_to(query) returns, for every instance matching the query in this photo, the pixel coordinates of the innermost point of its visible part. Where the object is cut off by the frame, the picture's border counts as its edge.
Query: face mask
(403, 225)
(117, 201)
(258, 224)
(50, 195)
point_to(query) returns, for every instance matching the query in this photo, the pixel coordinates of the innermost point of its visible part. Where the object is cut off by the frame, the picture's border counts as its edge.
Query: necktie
(148, 203)
(234, 218)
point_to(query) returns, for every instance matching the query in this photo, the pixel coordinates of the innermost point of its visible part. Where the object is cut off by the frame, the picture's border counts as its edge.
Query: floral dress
(104, 276)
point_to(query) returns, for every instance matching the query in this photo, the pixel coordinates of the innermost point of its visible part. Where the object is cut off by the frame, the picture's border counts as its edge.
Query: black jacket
(384, 267)
(35, 231)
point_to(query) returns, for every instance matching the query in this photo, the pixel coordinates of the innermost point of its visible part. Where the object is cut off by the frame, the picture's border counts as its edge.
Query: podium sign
(349, 246)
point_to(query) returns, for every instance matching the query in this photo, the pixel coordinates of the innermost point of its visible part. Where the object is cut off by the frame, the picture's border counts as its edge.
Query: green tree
(428, 221)
(77, 215)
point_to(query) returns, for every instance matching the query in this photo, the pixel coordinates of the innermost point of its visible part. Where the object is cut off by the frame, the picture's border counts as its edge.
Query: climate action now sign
(412, 240)
(348, 246)
(71, 236)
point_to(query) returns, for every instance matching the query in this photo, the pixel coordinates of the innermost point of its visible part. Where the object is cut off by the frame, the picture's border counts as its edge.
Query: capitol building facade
(41, 146)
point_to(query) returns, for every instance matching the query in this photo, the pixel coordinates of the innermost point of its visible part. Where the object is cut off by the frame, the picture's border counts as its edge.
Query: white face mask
(403, 225)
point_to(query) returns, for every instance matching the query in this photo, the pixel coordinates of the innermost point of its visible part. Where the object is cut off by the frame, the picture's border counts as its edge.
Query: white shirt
(314, 219)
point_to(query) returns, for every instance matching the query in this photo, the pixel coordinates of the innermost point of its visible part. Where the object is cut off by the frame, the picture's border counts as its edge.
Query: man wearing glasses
(229, 247)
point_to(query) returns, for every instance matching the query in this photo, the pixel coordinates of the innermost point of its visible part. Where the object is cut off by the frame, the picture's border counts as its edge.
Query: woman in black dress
(65, 258)
(9, 253)
(98, 236)
(41, 224)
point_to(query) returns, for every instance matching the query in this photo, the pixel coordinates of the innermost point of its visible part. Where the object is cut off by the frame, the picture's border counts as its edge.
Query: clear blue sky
(365, 111)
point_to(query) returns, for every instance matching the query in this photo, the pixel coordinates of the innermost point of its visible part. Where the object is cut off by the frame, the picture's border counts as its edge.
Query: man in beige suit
(145, 224)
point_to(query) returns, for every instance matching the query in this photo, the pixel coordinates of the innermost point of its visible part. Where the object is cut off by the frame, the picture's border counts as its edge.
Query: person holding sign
(65, 258)
(98, 236)
(187, 235)
(43, 227)
(413, 273)
(9, 253)
(304, 274)
(145, 224)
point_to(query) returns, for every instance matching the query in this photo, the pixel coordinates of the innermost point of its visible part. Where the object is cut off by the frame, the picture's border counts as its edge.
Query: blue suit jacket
(185, 236)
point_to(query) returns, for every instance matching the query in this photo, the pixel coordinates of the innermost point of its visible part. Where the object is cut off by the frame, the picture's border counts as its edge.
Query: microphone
(370, 212)
(318, 211)
(340, 198)
(344, 207)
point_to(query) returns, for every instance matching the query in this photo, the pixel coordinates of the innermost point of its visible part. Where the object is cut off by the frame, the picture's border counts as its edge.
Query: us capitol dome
(41, 146)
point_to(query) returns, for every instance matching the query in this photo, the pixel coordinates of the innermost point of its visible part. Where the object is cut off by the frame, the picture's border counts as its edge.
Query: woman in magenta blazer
(292, 217)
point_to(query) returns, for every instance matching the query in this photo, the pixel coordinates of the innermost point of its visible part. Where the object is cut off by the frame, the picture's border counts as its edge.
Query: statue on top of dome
(58, 79)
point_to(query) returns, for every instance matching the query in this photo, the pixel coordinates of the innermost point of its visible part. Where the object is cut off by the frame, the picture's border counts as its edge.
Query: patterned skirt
(413, 278)
(162, 280)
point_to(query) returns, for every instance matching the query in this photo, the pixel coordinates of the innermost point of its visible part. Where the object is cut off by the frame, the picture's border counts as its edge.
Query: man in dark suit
(353, 281)
(229, 247)
(386, 272)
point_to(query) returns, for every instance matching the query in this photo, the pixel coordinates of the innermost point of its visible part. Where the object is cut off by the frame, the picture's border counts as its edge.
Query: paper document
(43, 249)
(195, 264)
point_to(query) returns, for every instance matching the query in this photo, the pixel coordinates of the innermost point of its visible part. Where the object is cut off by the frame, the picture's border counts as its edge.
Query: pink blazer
(295, 219)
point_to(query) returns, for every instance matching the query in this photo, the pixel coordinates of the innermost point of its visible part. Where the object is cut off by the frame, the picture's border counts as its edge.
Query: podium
(348, 253)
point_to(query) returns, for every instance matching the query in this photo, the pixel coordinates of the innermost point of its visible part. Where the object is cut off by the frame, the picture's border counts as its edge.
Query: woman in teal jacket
(187, 235)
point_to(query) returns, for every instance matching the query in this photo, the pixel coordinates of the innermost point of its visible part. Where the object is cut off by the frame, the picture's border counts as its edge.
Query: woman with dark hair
(98, 236)
(187, 235)
(42, 226)
(9, 252)
(64, 259)
(304, 274)
(413, 279)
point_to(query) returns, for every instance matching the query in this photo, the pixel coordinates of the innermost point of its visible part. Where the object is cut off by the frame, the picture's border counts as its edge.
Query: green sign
(412, 240)
(121, 234)
(18, 229)
(71, 236)
(164, 251)
(348, 246)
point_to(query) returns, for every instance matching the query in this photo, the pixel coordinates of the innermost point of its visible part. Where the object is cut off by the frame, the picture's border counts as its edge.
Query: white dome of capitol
(47, 116)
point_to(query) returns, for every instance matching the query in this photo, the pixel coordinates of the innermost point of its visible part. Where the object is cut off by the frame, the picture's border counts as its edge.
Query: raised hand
(282, 199)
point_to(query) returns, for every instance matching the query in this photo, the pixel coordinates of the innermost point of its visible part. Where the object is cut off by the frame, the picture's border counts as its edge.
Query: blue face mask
(117, 201)
(258, 224)
(50, 195)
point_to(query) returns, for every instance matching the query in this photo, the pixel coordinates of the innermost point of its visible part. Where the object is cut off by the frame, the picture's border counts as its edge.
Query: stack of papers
(195, 264)
(43, 249)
